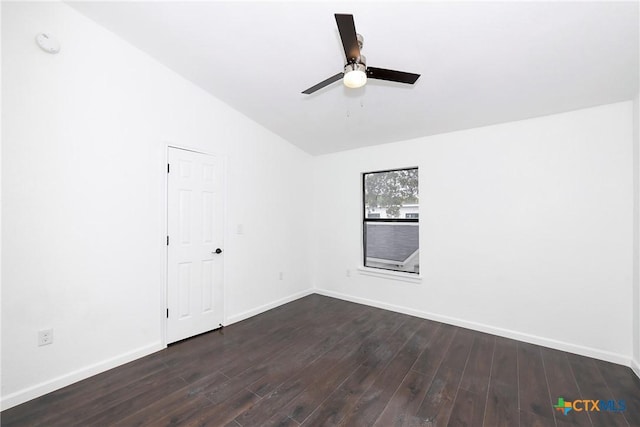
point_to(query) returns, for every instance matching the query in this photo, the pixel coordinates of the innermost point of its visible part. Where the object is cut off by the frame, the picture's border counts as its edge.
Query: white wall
(526, 229)
(84, 137)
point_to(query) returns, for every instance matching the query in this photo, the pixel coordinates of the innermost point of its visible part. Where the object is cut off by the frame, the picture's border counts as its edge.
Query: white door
(194, 243)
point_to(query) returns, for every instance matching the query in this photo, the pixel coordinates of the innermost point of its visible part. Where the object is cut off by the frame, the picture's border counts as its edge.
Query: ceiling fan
(356, 72)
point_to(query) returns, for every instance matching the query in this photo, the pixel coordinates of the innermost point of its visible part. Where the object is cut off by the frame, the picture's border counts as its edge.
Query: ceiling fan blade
(323, 83)
(347, 29)
(391, 75)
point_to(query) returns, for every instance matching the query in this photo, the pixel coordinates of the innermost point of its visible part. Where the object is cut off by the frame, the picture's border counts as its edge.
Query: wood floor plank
(593, 386)
(502, 406)
(324, 375)
(340, 403)
(318, 343)
(375, 399)
(347, 356)
(529, 419)
(275, 360)
(274, 365)
(402, 407)
(182, 414)
(170, 403)
(117, 406)
(476, 374)
(563, 385)
(625, 386)
(217, 415)
(308, 323)
(280, 421)
(505, 362)
(293, 383)
(468, 409)
(533, 389)
(133, 404)
(572, 421)
(438, 402)
(502, 396)
(406, 401)
(459, 350)
(429, 360)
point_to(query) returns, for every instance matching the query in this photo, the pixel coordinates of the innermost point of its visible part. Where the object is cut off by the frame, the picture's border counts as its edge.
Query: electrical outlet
(45, 337)
(281, 276)
(348, 273)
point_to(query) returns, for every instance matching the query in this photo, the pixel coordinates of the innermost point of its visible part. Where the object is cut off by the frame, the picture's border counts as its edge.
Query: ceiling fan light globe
(355, 79)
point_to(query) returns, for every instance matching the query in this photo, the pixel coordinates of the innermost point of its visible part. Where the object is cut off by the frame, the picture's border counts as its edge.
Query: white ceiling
(481, 62)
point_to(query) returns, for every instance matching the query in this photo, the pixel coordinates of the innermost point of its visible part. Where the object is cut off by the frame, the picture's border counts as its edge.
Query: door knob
(217, 251)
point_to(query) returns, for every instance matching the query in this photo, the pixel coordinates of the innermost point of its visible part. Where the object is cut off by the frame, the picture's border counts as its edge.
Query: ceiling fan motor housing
(355, 66)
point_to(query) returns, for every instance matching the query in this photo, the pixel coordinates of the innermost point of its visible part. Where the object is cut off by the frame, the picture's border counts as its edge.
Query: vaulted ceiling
(481, 63)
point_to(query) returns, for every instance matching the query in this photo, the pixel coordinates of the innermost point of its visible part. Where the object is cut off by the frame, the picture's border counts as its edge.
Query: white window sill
(388, 274)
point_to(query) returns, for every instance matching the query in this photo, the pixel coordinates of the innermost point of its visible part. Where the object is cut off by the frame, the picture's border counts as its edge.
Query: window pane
(392, 245)
(391, 194)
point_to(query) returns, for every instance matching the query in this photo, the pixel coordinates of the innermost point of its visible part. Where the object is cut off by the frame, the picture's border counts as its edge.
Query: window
(391, 233)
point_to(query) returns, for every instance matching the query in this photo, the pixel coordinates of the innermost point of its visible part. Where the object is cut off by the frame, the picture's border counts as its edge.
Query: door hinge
(167, 240)
(167, 313)
(168, 167)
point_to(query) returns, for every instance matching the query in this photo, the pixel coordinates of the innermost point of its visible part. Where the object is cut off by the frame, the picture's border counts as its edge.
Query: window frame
(365, 220)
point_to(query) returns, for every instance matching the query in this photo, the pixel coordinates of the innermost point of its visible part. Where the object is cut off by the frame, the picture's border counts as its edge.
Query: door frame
(164, 293)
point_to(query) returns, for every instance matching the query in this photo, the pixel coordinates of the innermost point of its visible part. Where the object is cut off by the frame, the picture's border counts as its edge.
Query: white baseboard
(533, 339)
(265, 307)
(635, 367)
(45, 387)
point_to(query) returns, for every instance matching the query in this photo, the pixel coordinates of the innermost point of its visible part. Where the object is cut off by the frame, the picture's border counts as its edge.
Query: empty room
(320, 213)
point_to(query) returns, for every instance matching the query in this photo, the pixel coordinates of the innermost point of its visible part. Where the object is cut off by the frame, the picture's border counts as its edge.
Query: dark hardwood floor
(321, 361)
